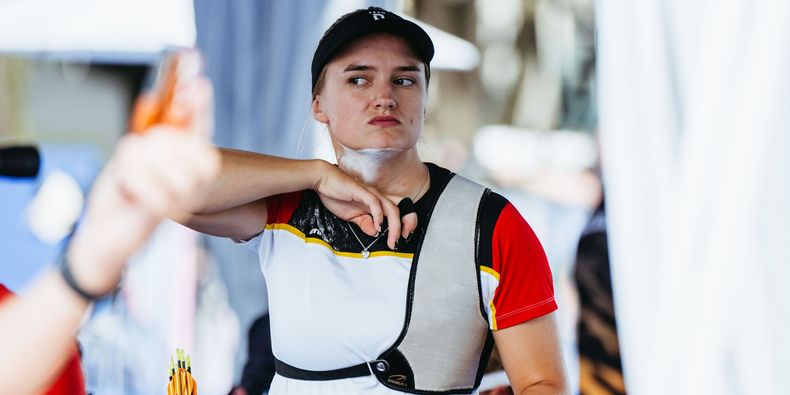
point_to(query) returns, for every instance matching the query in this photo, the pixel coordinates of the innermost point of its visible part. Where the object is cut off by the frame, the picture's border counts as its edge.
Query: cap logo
(377, 15)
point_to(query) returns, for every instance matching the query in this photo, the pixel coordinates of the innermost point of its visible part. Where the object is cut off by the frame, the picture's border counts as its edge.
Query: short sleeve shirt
(333, 307)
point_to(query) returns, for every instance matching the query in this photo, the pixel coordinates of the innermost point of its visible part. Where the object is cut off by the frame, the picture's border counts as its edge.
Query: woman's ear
(318, 115)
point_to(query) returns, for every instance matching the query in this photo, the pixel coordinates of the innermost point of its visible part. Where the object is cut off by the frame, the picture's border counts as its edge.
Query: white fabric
(488, 285)
(96, 25)
(694, 126)
(328, 311)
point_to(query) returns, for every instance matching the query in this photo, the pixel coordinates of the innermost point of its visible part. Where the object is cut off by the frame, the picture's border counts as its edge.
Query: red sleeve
(525, 289)
(4, 292)
(70, 380)
(280, 208)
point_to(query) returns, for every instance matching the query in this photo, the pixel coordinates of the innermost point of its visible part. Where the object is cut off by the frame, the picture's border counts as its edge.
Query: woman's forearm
(235, 204)
(38, 334)
(247, 176)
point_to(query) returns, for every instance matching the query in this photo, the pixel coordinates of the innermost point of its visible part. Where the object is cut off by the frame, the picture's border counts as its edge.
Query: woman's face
(374, 95)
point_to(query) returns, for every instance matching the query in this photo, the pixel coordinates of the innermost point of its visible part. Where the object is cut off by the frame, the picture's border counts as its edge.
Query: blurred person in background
(350, 311)
(600, 367)
(256, 378)
(149, 176)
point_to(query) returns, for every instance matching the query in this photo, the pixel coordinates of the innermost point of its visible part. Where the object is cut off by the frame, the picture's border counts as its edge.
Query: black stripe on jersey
(316, 221)
(491, 206)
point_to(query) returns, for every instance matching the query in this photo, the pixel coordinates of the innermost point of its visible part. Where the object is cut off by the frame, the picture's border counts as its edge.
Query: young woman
(364, 304)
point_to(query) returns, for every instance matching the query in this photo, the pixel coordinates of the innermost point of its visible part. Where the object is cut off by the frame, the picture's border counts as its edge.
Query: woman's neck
(394, 173)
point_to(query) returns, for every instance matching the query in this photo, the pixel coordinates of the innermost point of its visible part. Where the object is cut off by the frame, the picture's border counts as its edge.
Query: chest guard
(445, 341)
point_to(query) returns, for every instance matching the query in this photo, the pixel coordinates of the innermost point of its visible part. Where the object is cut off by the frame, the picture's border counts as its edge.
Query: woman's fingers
(409, 224)
(393, 218)
(408, 216)
(365, 222)
(366, 207)
(376, 214)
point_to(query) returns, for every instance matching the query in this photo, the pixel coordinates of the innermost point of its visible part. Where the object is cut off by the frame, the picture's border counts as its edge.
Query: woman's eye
(404, 81)
(358, 81)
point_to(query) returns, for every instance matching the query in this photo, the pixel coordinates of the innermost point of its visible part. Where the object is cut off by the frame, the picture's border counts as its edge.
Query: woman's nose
(384, 99)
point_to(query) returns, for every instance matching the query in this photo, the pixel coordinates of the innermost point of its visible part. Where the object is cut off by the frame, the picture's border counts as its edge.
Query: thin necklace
(365, 252)
(425, 183)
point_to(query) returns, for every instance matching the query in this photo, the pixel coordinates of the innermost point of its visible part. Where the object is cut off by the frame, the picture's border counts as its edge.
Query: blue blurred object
(22, 255)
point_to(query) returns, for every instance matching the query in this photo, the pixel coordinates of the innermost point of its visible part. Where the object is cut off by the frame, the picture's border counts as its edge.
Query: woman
(360, 304)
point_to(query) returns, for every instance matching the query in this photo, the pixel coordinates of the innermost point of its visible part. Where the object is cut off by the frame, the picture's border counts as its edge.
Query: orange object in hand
(160, 105)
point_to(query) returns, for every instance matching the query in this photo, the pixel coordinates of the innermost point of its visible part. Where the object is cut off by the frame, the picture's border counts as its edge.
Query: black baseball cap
(366, 21)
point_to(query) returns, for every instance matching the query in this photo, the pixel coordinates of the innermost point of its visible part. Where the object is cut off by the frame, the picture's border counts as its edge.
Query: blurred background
(691, 130)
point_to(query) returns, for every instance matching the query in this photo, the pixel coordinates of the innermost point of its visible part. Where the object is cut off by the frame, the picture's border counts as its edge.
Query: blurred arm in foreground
(149, 176)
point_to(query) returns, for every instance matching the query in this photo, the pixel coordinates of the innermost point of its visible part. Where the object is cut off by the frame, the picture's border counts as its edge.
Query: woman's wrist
(86, 276)
(73, 284)
(318, 170)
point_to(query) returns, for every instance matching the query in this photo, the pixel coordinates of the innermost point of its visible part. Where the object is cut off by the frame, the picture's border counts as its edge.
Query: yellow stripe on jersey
(492, 309)
(313, 240)
(493, 315)
(490, 271)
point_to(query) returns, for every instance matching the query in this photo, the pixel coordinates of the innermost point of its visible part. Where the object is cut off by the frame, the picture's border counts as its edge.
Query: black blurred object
(21, 161)
(600, 367)
(259, 370)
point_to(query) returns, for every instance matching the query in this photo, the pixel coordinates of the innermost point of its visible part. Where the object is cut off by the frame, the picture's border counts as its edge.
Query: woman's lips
(384, 121)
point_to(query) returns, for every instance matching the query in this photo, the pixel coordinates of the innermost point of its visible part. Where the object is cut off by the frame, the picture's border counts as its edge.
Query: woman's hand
(353, 201)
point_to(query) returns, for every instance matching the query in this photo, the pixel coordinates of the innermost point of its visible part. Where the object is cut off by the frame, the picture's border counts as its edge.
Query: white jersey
(331, 307)
(341, 309)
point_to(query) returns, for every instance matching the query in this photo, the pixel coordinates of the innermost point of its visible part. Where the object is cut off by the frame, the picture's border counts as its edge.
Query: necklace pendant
(365, 254)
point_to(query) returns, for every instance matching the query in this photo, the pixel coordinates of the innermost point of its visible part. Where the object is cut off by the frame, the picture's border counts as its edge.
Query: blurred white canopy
(452, 53)
(96, 25)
